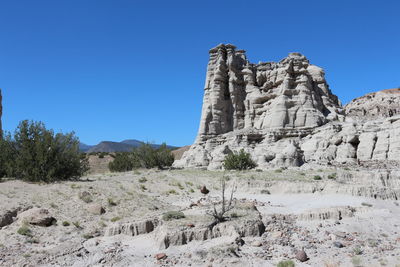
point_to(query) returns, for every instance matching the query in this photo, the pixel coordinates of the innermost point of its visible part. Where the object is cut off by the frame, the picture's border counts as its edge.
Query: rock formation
(284, 114)
(380, 104)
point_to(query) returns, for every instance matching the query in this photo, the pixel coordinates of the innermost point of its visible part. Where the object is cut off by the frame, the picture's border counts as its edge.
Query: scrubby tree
(122, 162)
(7, 155)
(239, 161)
(39, 154)
(145, 156)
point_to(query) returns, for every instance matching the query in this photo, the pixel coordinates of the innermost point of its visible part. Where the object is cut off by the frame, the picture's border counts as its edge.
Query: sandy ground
(296, 212)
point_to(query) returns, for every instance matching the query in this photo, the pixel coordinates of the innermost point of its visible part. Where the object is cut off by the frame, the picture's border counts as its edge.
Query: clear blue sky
(119, 69)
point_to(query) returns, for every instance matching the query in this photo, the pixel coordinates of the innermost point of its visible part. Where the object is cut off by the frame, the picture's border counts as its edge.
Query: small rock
(256, 243)
(340, 234)
(338, 244)
(96, 209)
(276, 234)
(160, 256)
(204, 190)
(37, 216)
(301, 256)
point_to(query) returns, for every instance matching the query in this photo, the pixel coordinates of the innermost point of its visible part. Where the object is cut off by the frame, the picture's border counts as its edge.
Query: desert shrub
(24, 230)
(115, 219)
(102, 155)
(286, 263)
(148, 157)
(7, 156)
(65, 223)
(122, 162)
(332, 176)
(37, 154)
(142, 180)
(317, 177)
(239, 161)
(144, 156)
(173, 215)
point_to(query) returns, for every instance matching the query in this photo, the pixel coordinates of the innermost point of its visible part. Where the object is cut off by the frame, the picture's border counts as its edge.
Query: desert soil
(327, 218)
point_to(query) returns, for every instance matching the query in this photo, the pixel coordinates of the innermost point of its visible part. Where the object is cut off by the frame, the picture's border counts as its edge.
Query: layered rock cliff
(238, 95)
(284, 114)
(382, 104)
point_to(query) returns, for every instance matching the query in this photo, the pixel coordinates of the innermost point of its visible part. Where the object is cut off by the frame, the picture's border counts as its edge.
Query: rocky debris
(133, 229)
(8, 216)
(301, 256)
(204, 190)
(284, 114)
(36, 216)
(168, 235)
(338, 244)
(381, 104)
(96, 209)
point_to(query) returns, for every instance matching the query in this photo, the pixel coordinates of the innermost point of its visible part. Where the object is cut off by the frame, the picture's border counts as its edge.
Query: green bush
(239, 161)
(148, 157)
(173, 215)
(24, 230)
(144, 156)
(286, 263)
(37, 154)
(122, 162)
(7, 156)
(317, 177)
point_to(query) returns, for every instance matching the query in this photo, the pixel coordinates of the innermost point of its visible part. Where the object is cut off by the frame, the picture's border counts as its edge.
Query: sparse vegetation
(317, 177)
(172, 192)
(77, 224)
(111, 202)
(37, 154)
(65, 223)
(122, 162)
(116, 218)
(173, 215)
(357, 251)
(219, 215)
(24, 230)
(144, 156)
(332, 176)
(239, 161)
(356, 261)
(142, 180)
(286, 263)
(86, 198)
(87, 236)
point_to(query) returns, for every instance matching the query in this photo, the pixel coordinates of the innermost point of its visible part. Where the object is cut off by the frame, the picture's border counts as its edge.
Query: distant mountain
(109, 146)
(84, 147)
(133, 142)
(137, 143)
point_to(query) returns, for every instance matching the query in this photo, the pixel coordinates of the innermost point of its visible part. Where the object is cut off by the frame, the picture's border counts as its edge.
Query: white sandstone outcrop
(284, 114)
